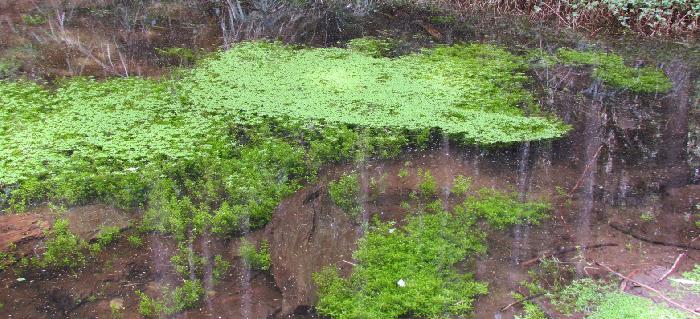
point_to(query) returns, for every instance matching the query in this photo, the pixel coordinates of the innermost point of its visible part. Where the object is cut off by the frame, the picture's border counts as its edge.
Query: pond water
(247, 206)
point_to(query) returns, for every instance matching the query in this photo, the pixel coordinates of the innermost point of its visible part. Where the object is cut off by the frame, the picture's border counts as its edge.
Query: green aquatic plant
(256, 258)
(409, 270)
(225, 195)
(345, 193)
(405, 271)
(187, 296)
(471, 91)
(33, 20)
(105, 237)
(221, 267)
(135, 241)
(371, 46)
(501, 210)
(427, 186)
(187, 261)
(91, 139)
(64, 250)
(149, 307)
(619, 305)
(611, 69)
(8, 257)
(461, 185)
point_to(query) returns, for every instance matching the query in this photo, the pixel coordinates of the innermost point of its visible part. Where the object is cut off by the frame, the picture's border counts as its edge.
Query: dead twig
(658, 293)
(628, 231)
(675, 264)
(521, 301)
(349, 263)
(564, 251)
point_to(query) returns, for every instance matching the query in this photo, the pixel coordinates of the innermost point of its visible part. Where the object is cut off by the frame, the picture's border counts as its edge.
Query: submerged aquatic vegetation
(611, 69)
(187, 296)
(345, 193)
(599, 299)
(109, 140)
(410, 270)
(619, 305)
(63, 248)
(502, 210)
(405, 271)
(256, 258)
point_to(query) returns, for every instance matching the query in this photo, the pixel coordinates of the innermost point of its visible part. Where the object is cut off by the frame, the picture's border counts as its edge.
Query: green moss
(581, 295)
(187, 262)
(611, 69)
(601, 300)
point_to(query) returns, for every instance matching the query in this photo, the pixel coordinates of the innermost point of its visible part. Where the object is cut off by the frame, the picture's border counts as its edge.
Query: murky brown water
(627, 155)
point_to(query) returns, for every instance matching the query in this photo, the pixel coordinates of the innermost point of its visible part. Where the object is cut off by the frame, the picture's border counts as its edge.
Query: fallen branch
(565, 251)
(521, 301)
(629, 231)
(349, 263)
(658, 293)
(677, 262)
(675, 265)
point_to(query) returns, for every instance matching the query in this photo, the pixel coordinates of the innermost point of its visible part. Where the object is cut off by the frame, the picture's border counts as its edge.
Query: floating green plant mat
(611, 69)
(473, 92)
(108, 124)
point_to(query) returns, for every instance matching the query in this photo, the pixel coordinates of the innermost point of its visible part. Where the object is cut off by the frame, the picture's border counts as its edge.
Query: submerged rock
(16, 230)
(308, 233)
(87, 221)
